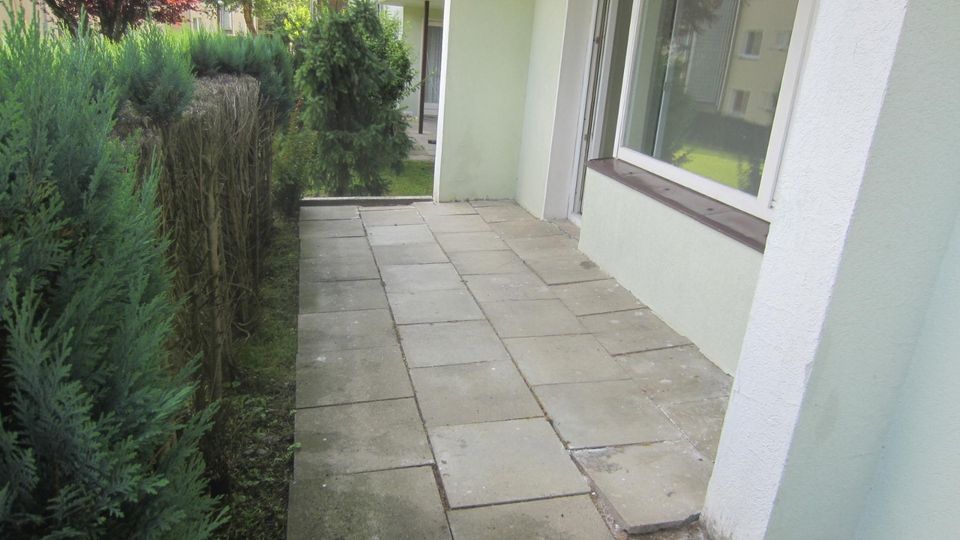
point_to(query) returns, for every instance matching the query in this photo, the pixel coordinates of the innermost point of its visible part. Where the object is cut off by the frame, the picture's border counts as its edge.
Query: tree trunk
(248, 17)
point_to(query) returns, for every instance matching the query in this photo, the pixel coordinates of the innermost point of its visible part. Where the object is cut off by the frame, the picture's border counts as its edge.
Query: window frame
(762, 204)
(745, 53)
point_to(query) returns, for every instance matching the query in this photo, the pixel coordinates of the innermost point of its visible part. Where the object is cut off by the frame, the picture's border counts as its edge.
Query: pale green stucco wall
(482, 99)
(539, 114)
(697, 280)
(413, 37)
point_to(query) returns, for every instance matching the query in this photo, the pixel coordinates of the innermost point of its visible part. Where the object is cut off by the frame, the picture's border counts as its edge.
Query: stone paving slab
(525, 229)
(475, 241)
(338, 269)
(632, 331)
(471, 393)
(421, 277)
(309, 213)
(401, 503)
(566, 269)
(677, 374)
(509, 461)
(487, 262)
(441, 344)
(359, 437)
(340, 228)
(434, 306)
(323, 297)
(550, 247)
(428, 253)
(506, 212)
(444, 209)
(607, 413)
(563, 518)
(523, 285)
(649, 487)
(701, 421)
(352, 376)
(398, 235)
(529, 318)
(333, 248)
(385, 218)
(483, 203)
(563, 359)
(594, 297)
(456, 224)
(342, 331)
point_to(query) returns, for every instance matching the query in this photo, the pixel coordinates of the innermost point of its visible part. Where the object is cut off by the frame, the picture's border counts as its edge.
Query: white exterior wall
(482, 97)
(867, 203)
(697, 280)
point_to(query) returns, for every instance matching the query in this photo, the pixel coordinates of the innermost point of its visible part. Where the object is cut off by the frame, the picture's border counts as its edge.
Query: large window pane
(705, 83)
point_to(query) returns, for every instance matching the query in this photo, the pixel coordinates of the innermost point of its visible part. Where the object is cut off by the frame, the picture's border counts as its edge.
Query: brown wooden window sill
(737, 224)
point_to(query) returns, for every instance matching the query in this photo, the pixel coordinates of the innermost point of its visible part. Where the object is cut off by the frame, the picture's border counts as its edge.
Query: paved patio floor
(464, 371)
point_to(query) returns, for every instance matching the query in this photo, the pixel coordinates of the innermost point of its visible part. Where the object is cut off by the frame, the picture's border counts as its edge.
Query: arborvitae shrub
(153, 72)
(352, 79)
(95, 436)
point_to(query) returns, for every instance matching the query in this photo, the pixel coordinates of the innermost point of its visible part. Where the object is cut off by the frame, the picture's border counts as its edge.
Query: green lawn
(713, 164)
(415, 179)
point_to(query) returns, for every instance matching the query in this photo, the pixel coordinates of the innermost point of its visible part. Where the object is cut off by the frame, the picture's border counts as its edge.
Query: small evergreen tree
(355, 71)
(95, 441)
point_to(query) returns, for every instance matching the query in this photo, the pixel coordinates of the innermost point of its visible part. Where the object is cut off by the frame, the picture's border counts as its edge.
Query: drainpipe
(423, 62)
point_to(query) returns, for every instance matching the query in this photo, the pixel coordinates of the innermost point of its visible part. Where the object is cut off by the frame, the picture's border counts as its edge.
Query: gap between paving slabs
(581, 288)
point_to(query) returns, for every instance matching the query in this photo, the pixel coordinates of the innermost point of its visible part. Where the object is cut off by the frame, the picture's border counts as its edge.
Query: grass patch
(258, 405)
(416, 178)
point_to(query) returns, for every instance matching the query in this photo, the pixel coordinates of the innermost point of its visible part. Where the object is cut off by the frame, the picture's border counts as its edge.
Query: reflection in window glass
(689, 103)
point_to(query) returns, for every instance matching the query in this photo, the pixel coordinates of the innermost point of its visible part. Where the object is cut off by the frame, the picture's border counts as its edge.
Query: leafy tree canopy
(114, 17)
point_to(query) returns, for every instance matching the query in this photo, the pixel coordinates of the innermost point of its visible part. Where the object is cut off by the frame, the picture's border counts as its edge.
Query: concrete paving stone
(508, 461)
(649, 487)
(567, 269)
(311, 213)
(339, 269)
(471, 393)
(528, 318)
(434, 306)
(456, 224)
(359, 437)
(547, 247)
(632, 331)
(594, 297)
(677, 374)
(475, 241)
(525, 229)
(484, 203)
(386, 218)
(442, 344)
(333, 248)
(322, 297)
(487, 262)
(409, 254)
(506, 212)
(563, 518)
(523, 285)
(352, 376)
(385, 208)
(338, 228)
(400, 234)
(569, 228)
(701, 421)
(399, 503)
(444, 209)
(345, 330)
(563, 359)
(421, 277)
(593, 414)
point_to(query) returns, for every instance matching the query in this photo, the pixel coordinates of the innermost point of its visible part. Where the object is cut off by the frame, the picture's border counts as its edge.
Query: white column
(867, 199)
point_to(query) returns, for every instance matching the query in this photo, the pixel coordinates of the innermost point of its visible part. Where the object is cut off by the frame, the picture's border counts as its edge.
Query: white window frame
(761, 205)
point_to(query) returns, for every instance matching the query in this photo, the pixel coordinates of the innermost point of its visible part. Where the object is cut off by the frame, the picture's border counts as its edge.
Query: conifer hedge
(96, 439)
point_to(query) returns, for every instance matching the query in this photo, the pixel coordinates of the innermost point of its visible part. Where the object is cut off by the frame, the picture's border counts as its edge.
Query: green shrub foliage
(95, 441)
(154, 74)
(355, 71)
(295, 165)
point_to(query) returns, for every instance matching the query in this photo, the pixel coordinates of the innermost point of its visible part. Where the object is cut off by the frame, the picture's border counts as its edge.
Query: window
(783, 40)
(196, 24)
(751, 48)
(686, 112)
(740, 100)
(226, 21)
